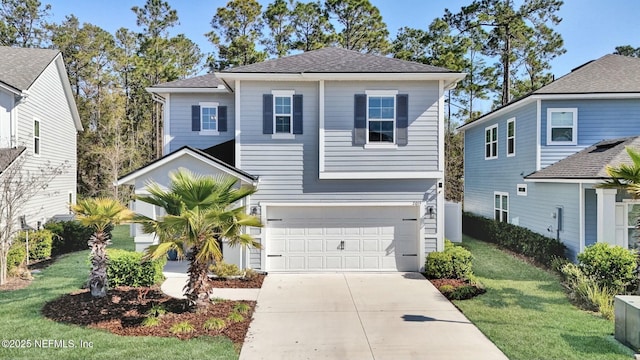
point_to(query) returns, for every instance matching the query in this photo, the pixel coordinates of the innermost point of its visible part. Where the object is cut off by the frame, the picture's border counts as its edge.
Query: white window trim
(39, 136)
(380, 144)
(204, 105)
(521, 186)
(501, 194)
(511, 121)
(290, 134)
(574, 111)
(484, 149)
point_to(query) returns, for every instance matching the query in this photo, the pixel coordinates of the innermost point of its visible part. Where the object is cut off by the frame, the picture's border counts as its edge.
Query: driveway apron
(360, 316)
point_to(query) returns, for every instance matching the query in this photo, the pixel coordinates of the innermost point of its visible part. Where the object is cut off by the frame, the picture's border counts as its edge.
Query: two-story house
(536, 162)
(346, 150)
(39, 122)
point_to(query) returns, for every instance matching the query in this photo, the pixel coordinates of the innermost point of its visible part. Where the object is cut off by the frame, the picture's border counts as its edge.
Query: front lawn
(525, 312)
(45, 339)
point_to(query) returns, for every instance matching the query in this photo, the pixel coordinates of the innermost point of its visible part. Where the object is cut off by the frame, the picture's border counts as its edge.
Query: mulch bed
(124, 308)
(453, 282)
(253, 283)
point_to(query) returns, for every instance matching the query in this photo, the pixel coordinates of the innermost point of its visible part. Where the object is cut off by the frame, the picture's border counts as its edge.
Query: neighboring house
(39, 122)
(346, 150)
(517, 159)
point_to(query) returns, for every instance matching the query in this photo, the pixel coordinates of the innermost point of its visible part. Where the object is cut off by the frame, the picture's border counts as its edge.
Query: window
(381, 118)
(562, 126)
(36, 136)
(501, 206)
(511, 137)
(522, 189)
(491, 142)
(282, 114)
(209, 121)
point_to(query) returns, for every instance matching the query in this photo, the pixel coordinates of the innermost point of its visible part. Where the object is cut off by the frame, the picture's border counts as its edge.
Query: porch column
(606, 215)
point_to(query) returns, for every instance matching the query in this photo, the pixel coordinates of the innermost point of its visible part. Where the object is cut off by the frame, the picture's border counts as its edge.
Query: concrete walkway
(360, 316)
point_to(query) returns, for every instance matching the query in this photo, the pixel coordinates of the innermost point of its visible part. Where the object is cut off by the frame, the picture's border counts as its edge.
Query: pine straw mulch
(124, 308)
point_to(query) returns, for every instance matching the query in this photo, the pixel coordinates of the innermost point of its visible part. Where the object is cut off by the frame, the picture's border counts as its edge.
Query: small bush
(446, 289)
(587, 292)
(16, 257)
(453, 263)
(250, 274)
(214, 324)
(156, 310)
(612, 267)
(234, 317)
(128, 268)
(515, 238)
(40, 243)
(69, 236)
(222, 269)
(241, 308)
(184, 327)
(151, 321)
(464, 292)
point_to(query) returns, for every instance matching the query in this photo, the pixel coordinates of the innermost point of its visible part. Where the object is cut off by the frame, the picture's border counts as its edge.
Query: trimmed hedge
(69, 236)
(612, 267)
(128, 268)
(16, 256)
(452, 263)
(40, 243)
(515, 238)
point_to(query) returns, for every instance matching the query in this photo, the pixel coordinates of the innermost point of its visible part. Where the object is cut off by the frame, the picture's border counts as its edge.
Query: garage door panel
(341, 238)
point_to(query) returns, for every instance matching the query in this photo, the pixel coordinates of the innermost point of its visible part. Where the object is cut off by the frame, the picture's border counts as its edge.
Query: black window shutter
(267, 114)
(297, 114)
(402, 119)
(222, 118)
(195, 117)
(360, 119)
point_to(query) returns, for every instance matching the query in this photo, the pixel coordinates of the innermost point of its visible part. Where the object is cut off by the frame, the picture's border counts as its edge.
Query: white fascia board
(497, 113)
(130, 179)
(565, 181)
(340, 204)
(452, 77)
(381, 175)
(167, 90)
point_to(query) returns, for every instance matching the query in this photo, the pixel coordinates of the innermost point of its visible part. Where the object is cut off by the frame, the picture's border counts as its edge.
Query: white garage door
(342, 238)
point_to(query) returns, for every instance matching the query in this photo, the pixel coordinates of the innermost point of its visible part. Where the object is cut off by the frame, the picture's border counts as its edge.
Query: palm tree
(625, 176)
(101, 214)
(200, 212)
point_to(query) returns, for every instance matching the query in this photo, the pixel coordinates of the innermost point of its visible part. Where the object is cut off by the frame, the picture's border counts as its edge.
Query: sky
(590, 28)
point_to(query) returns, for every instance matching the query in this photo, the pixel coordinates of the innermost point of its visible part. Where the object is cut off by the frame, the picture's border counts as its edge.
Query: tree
(625, 176)
(20, 182)
(101, 214)
(311, 27)
(200, 213)
(514, 34)
(627, 50)
(362, 26)
(23, 23)
(277, 17)
(237, 27)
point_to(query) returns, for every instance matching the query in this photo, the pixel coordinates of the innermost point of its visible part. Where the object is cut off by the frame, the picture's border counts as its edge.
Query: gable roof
(20, 67)
(336, 60)
(202, 82)
(590, 163)
(186, 150)
(8, 156)
(614, 75)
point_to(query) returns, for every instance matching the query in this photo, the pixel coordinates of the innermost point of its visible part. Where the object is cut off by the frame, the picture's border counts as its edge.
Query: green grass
(21, 320)
(526, 313)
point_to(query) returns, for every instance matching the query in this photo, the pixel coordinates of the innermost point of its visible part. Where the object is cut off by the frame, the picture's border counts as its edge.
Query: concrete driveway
(360, 316)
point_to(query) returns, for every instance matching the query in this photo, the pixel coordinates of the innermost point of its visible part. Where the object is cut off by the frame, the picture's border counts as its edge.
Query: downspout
(160, 143)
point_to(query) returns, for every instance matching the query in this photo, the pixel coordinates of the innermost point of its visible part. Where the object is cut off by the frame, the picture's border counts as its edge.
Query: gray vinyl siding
(421, 152)
(47, 102)
(597, 120)
(483, 177)
(180, 124)
(289, 169)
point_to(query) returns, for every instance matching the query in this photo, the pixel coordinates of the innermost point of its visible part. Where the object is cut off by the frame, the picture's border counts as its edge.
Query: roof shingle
(20, 67)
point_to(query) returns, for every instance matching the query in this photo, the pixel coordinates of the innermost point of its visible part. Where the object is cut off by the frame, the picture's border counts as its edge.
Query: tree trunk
(98, 276)
(199, 286)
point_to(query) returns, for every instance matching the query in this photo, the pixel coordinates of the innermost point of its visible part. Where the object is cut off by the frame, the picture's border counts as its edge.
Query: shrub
(587, 292)
(156, 310)
(453, 263)
(16, 256)
(446, 289)
(182, 328)
(235, 317)
(151, 321)
(40, 243)
(222, 269)
(515, 238)
(214, 324)
(241, 308)
(464, 292)
(128, 268)
(69, 236)
(612, 267)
